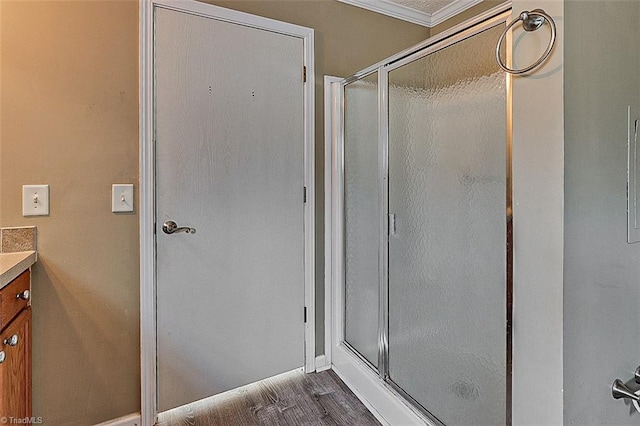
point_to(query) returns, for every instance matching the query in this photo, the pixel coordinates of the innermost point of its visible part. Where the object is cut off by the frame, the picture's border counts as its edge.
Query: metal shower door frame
(471, 31)
(348, 363)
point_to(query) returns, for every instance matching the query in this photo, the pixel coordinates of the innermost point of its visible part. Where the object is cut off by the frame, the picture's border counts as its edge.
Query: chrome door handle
(620, 390)
(170, 227)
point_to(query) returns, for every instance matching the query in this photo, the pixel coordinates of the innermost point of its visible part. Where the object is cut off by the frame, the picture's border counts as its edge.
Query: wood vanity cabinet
(15, 348)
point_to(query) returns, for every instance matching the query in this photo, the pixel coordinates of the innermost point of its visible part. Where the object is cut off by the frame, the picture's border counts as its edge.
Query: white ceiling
(422, 12)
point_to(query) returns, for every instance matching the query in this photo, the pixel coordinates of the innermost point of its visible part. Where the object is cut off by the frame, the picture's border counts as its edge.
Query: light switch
(122, 197)
(35, 200)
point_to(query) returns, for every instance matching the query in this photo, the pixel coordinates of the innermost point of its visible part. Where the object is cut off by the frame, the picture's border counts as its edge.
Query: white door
(229, 137)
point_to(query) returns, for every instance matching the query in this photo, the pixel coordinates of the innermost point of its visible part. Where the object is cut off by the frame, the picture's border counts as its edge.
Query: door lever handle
(170, 227)
(637, 375)
(620, 390)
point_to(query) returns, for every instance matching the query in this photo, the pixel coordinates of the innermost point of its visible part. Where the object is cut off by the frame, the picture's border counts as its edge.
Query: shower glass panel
(361, 217)
(447, 256)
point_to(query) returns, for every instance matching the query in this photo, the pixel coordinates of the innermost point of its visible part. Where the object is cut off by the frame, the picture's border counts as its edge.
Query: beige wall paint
(347, 39)
(70, 119)
(1, 102)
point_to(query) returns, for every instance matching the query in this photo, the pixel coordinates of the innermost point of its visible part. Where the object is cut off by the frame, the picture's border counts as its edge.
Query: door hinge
(304, 194)
(391, 224)
(305, 314)
(154, 228)
(304, 74)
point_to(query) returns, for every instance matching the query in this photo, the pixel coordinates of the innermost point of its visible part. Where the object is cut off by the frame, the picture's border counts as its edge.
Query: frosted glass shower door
(447, 254)
(361, 217)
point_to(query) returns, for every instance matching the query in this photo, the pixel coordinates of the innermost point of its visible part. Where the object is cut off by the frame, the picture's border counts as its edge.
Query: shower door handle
(170, 227)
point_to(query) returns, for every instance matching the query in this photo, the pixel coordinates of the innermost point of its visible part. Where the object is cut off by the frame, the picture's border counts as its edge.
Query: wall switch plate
(35, 200)
(122, 197)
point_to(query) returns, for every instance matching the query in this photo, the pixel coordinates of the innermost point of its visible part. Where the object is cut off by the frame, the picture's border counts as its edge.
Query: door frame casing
(148, 344)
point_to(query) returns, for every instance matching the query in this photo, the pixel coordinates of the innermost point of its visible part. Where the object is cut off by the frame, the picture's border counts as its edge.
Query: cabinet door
(14, 298)
(15, 370)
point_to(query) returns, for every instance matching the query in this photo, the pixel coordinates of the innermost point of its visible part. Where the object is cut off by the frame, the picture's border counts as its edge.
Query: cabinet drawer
(13, 298)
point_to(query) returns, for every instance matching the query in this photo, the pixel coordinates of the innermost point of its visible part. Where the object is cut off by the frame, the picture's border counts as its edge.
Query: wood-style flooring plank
(290, 399)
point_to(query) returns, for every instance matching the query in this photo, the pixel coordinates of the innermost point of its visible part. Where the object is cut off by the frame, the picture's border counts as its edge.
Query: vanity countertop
(13, 264)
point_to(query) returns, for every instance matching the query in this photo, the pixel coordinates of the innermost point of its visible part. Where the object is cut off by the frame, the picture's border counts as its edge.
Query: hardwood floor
(292, 398)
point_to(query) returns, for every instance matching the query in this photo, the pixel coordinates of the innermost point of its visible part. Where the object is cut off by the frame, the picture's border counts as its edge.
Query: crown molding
(398, 11)
(452, 9)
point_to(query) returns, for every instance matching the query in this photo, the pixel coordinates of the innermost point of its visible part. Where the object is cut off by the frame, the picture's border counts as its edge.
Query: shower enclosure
(420, 225)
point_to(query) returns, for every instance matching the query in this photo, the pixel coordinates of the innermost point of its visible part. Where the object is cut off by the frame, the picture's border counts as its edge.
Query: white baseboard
(321, 363)
(129, 420)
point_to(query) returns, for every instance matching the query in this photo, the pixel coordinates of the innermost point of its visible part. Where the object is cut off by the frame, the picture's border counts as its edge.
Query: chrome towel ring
(531, 21)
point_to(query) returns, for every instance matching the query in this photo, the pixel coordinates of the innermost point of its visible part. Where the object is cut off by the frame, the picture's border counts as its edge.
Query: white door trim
(332, 105)
(147, 181)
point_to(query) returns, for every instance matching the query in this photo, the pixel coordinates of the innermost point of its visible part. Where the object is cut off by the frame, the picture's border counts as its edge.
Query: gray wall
(538, 220)
(601, 271)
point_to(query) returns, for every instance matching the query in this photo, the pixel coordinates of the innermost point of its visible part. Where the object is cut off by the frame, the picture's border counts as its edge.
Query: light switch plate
(122, 197)
(35, 200)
